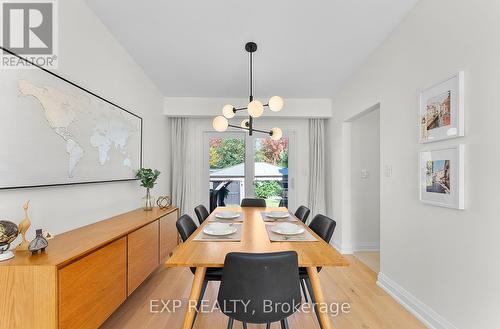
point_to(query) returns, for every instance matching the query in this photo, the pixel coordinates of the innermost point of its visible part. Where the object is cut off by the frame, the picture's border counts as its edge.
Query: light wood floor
(370, 259)
(371, 307)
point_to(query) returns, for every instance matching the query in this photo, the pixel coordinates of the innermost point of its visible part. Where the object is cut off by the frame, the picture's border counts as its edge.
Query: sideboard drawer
(91, 288)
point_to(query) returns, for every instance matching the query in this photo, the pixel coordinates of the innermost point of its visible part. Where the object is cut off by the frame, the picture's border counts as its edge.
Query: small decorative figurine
(164, 202)
(8, 233)
(23, 228)
(47, 235)
(38, 244)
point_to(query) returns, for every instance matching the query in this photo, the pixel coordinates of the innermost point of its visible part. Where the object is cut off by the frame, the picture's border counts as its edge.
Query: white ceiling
(195, 48)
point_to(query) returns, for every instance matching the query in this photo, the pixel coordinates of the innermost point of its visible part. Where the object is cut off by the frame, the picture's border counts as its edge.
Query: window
(270, 179)
(227, 170)
(237, 171)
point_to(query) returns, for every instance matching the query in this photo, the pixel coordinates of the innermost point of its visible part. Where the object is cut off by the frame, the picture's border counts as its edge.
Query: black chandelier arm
(235, 109)
(257, 130)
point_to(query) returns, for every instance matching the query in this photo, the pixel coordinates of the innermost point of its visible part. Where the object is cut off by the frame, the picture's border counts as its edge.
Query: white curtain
(317, 164)
(178, 162)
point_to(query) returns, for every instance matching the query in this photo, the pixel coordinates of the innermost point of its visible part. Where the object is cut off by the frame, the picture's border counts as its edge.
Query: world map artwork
(65, 135)
(62, 110)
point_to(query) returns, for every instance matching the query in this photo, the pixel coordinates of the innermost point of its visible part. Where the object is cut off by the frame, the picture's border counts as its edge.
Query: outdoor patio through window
(271, 171)
(227, 163)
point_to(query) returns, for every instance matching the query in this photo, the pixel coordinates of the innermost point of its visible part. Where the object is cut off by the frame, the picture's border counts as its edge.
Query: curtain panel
(317, 167)
(178, 165)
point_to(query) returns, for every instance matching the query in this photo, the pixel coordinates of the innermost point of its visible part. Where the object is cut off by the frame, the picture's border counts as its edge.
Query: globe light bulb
(228, 112)
(276, 103)
(276, 133)
(220, 123)
(244, 123)
(255, 108)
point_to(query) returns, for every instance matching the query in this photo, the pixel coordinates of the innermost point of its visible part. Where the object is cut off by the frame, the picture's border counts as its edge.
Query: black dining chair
(253, 202)
(186, 227)
(302, 213)
(201, 213)
(324, 227)
(261, 282)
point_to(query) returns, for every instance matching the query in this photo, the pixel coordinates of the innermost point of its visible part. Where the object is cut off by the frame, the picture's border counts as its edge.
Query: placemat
(290, 218)
(275, 237)
(223, 220)
(236, 236)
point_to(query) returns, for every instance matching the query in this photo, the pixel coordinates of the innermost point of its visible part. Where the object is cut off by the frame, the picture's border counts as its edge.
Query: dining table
(254, 239)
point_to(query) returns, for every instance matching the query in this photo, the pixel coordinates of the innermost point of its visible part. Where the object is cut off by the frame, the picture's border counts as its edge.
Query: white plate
(287, 229)
(277, 214)
(227, 214)
(219, 229)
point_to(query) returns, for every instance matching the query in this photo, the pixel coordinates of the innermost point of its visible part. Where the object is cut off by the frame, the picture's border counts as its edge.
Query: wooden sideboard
(87, 273)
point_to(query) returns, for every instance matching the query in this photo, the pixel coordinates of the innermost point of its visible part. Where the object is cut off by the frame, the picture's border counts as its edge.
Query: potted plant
(148, 179)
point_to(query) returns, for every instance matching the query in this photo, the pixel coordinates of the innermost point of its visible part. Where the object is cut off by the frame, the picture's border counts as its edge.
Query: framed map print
(442, 110)
(54, 132)
(442, 177)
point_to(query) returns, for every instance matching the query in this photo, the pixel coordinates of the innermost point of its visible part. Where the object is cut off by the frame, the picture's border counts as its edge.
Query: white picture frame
(442, 177)
(441, 114)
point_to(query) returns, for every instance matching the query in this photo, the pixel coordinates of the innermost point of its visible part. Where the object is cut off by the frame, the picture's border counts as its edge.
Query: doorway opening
(365, 187)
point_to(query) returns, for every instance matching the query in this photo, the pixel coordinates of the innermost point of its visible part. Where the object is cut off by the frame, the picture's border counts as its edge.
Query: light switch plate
(388, 170)
(364, 173)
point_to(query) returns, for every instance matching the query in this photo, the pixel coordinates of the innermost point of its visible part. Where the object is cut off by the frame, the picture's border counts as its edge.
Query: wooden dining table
(254, 239)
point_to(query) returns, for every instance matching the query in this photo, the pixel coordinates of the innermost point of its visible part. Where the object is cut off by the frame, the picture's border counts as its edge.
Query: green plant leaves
(147, 176)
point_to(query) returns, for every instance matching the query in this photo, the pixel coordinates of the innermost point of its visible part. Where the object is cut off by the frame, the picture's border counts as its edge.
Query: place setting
(277, 216)
(282, 232)
(216, 231)
(227, 217)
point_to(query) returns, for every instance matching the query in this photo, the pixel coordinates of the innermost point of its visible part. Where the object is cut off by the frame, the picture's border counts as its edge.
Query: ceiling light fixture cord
(251, 77)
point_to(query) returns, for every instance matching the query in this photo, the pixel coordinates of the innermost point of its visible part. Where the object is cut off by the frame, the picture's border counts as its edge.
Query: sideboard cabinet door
(143, 257)
(91, 288)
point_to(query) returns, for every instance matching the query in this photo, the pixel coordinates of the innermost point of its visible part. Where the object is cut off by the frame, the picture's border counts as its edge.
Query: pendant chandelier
(255, 108)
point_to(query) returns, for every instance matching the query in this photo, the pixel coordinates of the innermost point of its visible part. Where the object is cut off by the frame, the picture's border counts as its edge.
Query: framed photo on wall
(442, 110)
(442, 177)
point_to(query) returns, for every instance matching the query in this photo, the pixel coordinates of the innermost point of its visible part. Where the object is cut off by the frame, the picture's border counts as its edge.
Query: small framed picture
(442, 110)
(442, 177)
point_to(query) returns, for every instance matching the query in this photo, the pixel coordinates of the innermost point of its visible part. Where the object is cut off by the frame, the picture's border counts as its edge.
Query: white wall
(90, 56)
(210, 107)
(444, 259)
(365, 191)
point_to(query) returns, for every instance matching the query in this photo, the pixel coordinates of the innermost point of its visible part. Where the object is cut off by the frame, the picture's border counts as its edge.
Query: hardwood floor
(370, 259)
(370, 306)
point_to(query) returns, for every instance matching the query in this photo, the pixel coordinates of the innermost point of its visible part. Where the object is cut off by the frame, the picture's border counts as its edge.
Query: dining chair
(324, 227)
(201, 213)
(186, 227)
(302, 213)
(260, 281)
(253, 202)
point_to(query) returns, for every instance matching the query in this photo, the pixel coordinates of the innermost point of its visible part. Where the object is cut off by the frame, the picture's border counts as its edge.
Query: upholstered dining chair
(324, 227)
(260, 281)
(201, 212)
(186, 227)
(302, 213)
(253, 202)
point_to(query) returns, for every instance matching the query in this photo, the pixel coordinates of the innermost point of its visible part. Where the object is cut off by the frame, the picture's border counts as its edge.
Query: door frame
(346, 227)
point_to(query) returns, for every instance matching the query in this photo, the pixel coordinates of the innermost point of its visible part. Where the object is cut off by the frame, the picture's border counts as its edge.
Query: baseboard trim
(366, 247)
(341, 249)
(424, 313)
